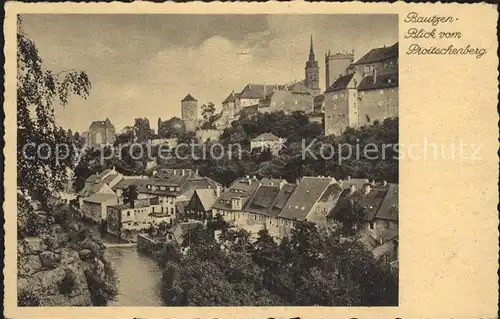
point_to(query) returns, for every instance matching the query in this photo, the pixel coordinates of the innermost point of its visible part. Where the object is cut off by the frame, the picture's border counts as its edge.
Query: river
(138, 277)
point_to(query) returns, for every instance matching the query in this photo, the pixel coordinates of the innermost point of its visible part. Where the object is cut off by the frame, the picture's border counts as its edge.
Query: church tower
(312, 72)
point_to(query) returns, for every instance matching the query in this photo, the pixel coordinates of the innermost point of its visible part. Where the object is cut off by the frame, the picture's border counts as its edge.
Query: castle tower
(336, 65)
(189, 112)
(312, 72)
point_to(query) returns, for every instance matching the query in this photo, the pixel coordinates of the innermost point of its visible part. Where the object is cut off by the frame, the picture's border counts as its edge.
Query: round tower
(189, 112)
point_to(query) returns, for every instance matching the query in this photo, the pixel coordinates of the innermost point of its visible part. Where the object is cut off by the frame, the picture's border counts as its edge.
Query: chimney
(254, 177)
(373, 183)
(250, 86)
(196, 172)
(175, 171)
(348, 178)
(384, 183)
(182, 172)
(217, 191)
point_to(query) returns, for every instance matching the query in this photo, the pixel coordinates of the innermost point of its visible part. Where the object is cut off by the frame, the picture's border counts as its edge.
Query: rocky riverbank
(61, 263)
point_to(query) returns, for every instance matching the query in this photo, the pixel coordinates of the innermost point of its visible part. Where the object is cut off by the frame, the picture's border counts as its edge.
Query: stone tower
(189, 112)
(336, 65)
(312, 72)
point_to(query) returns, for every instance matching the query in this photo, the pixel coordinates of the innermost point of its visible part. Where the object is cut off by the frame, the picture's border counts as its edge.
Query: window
(128, 214)
(372, 226)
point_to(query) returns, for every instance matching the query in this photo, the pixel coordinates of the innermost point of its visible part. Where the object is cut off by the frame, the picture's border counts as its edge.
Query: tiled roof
(280, 200)
(108, 179)
(370, 203)
(379, 54)
(341, 83)
(169, 178)
(299, 88)
(258, 91)
(198, 183)
(126, 182)
(266, 137)
(242, 188)
(382, 81)
(263, 199)
(231, 97)
(101, 198)
(389, 207)
(303, 198)
(189, 97)
(207, 197)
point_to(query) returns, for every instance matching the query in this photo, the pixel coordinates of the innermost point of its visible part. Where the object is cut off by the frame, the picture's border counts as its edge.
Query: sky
(143, 65)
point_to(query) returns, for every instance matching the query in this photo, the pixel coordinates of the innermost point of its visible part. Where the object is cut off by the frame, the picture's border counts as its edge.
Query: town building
(267, 141)
(275, 205)
(342, 101)
(312, 72)
(365, 92)
(253, 93)
(126, 220)
(100, 134)
(95, 206)
(174, 185)
(378, 203)
(294, 97)
(231, 202)
(109, 177)
(199, 206)
(190, 113)
(336, 65)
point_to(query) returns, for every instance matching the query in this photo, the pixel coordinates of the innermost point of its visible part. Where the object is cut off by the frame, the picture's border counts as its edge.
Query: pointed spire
(311, 50)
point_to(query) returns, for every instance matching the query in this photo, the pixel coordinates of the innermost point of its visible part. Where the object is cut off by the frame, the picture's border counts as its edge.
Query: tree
(126, 136)
(39, 89)
(130, 194)
(207, 111)
(142, 130)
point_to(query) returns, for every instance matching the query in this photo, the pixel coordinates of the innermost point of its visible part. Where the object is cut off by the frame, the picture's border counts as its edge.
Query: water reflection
(138, 275)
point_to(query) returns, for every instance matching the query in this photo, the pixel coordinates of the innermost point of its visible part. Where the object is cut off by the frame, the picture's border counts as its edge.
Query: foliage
(310, 268)
(38, 90)
(207, 112)
(142, 130)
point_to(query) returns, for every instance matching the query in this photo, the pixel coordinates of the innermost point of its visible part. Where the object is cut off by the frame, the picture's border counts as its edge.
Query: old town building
(367, 91)
(100, 134)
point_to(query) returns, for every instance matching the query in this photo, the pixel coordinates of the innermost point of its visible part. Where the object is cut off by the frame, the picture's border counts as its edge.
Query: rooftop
(265, 137)
(189, 98)
(379, 54)
(381, 82)
(306, 194)
(341, 83)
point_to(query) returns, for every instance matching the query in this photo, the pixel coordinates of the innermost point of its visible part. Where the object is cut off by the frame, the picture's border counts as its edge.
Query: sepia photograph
(207, 160)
